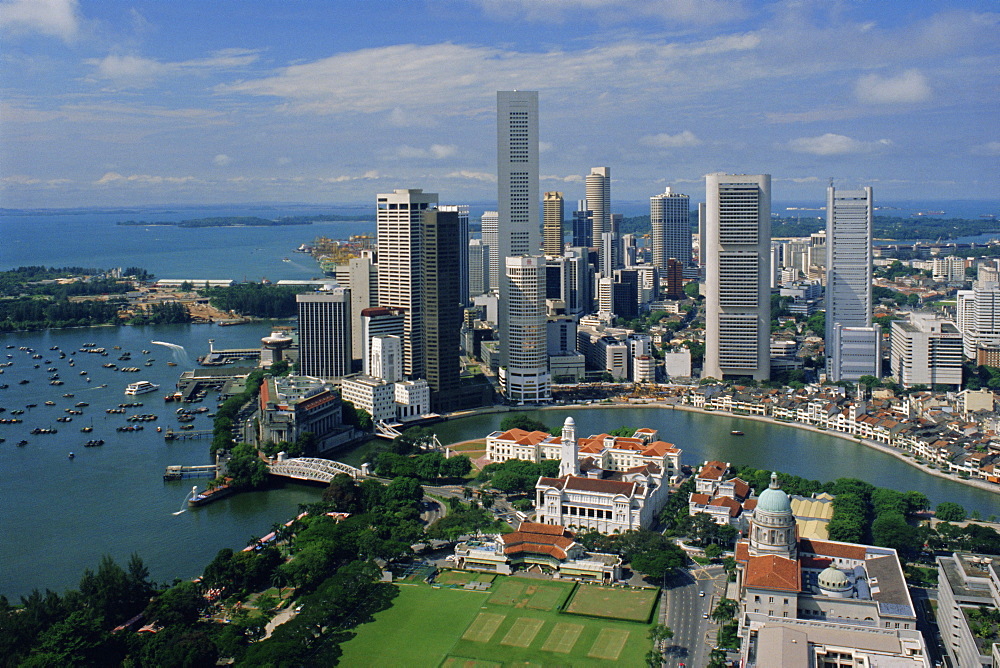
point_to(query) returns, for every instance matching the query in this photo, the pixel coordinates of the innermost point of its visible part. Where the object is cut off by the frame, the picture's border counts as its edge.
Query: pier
(178, 472)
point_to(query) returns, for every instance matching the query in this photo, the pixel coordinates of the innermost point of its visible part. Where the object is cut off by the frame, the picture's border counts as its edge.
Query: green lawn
(629, 604)
(516, 624)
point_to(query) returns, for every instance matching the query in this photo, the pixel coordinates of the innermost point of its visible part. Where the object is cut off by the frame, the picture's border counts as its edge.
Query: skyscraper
(479, 268)
(325, 333)
(463, 239)
(854, 347)
(737, 251)
(848, 258)
(400, 268)
(491, 239)
(375, 322)
(552, 222)
(670, 216)
(598, 185)
(517, 173)
(521, 312)
(524, 374)
(583, 225)
(442, 304)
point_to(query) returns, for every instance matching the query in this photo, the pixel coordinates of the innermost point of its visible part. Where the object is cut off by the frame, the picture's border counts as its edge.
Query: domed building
(798, 595)
(773, 528)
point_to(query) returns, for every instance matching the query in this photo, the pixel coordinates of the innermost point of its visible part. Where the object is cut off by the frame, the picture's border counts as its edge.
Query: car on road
(701, 594)
(704, 615)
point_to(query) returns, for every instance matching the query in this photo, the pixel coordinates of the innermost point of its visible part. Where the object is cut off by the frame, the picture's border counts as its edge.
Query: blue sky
(129, 103)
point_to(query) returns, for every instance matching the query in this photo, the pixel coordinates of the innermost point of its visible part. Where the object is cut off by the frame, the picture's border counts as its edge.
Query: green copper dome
(773, 500)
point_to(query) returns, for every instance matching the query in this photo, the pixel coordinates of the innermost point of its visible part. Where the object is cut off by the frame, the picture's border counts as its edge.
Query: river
(60, 515)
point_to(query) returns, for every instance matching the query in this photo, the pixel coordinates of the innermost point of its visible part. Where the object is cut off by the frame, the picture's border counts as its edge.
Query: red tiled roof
(659, 448)
(712, 470)
(700, 499)
(818, 563)
(773, 572)
(740, 488)
(602, 486)
(522, 437)
(725, 502)
(547, 529)
(742, 551)
(749, 504)
(828, 549)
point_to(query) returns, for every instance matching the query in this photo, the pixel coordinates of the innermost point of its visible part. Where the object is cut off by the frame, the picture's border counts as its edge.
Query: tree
(659, 633)
(891, 530)
(949, 511)
(692, 290)
(177, 606)
(713, 551)
(522, 421)
(916, 501)
(725, 610)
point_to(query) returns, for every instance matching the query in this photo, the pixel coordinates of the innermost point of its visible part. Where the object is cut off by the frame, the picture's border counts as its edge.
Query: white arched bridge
(311, 468)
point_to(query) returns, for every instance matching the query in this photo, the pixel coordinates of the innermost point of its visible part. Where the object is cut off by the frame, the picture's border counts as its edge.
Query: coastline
(887, 449)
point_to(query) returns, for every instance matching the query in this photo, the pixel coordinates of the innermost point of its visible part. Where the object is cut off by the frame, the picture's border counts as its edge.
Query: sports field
(516, 622)
(630, 604)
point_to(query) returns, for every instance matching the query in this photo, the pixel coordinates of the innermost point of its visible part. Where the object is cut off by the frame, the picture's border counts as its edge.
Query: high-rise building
(463, 238)
(479, 268)
(442, 305)
(524, 374)
(521, 311)
(583, 225)
(360, 276)
(675, 279)
(491, 239)
(400, 268)
(737, 251)
(848, 258)
(853, 345)
(517, 173)
(598, 185)
(325, 333)
(670, 216)
(378, 321)
(926, 350)
(386, 358)
(552, 224)
(978, 317)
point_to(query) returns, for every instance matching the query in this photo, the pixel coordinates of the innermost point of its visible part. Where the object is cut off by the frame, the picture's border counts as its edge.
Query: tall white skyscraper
(598, 185)
(670, 216)
(853, 345)
(848, 258)
(325, 333)
(521, 311)
(517, 173)
(491, 239)
(737, 251)
(400, 266)
(479, 268)
(524, 373)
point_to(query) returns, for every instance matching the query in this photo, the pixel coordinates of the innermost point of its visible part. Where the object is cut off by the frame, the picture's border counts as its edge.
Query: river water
(60, 515)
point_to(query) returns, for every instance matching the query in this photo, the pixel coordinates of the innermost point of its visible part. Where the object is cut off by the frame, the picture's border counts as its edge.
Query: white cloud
(435, 151)
(369, 175)
(142, 179)
(407, 81)
(833, 144)
(544, 146)
(59, 18)
(284, 160)
(664, 140)
(989, 148)
(474, 176)
(615, 11)
(132, 70)
(910, 86)
(572, 178)
(221, 160)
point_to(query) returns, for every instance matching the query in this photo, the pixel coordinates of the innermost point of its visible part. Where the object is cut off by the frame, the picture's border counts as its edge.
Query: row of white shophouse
(958, 442)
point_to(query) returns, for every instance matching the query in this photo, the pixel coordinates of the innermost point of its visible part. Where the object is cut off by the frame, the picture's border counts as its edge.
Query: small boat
(50, 403)
(736, 432)
(68, 395)
(21, 444)
(71, 455)
(86, 430)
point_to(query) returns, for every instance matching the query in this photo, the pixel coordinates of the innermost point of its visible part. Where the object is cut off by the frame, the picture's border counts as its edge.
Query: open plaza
(516, 621)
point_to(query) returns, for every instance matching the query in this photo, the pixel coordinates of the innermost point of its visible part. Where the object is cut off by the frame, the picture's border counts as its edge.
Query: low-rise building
(538, 547)
(289, 406)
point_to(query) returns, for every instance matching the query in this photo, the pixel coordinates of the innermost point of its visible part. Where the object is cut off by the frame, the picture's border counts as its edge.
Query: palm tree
(725, 610)
(654, 659)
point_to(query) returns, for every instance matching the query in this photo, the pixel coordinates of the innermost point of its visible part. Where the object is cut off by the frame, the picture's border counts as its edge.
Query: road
(683, 611)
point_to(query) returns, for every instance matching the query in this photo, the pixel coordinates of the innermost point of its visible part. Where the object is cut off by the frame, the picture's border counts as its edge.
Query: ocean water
(92, 239)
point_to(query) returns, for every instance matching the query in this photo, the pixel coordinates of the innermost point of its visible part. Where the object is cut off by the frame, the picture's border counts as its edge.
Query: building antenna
(831, 181)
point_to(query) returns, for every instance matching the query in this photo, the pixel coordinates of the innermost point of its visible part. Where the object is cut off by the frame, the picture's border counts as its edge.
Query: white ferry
(142, 387)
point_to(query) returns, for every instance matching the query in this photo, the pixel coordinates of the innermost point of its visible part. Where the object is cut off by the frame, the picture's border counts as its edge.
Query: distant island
(250, 221)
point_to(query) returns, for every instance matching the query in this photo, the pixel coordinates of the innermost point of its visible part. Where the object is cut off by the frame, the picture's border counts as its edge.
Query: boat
(736, 432)
(68, 395)
(50, 403)
(209, 495)
(21, 443)
(86, 430)
(142, 387)
(71, 455)
(171, 363)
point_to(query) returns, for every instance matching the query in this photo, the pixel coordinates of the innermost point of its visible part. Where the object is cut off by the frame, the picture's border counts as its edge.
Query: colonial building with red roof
(541, 548)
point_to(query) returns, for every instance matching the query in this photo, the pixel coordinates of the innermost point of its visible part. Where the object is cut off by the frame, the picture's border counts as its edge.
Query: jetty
(178, 472)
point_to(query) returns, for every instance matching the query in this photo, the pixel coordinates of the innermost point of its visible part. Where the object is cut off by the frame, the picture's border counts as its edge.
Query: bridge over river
(311, 468)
